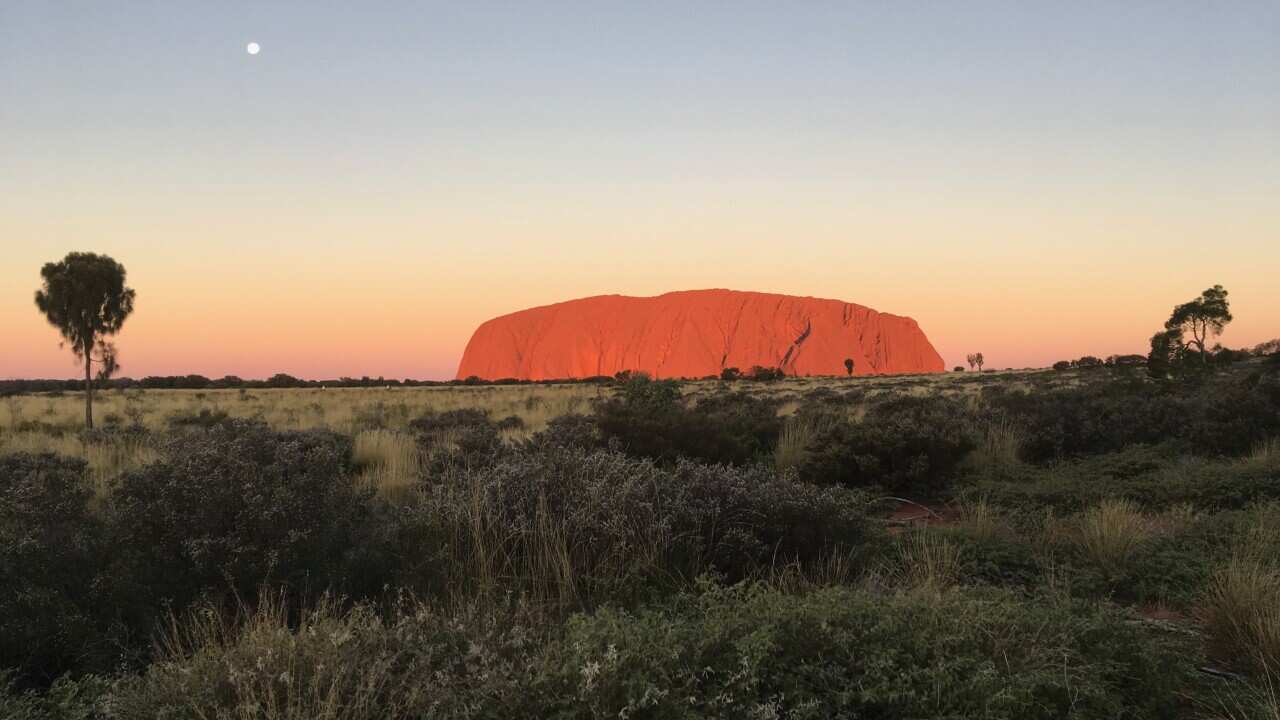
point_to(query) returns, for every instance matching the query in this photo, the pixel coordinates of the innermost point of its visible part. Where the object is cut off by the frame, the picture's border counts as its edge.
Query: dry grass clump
(1111, 532)
(108, 458)
(1265, 454)
(1241, 614)
(980, 518)
(347, 410)
(1000, 444)
(793, 442)
(389, 461)
(327, 663)
(925, 561)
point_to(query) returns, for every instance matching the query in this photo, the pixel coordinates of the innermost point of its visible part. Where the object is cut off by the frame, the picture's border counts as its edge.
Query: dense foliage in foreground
(1080, 550)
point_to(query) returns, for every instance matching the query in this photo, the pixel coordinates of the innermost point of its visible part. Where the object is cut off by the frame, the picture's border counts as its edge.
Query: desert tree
(1166, 353)
(975, 360)
(848, 366)
(1203, 317)
(85, 297)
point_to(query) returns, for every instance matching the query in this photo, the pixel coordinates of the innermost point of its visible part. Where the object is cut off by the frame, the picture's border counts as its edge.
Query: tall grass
(388, 460)
(1265, 454)
(327, 662)
(926, 561)
(981, 518)
(999, 444)
(793, 442)
(1241, 614)
(107, 458)
(1111, 532)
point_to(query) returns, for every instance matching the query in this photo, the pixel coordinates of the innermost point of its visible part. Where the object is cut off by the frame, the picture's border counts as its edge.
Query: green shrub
(331, 664)
(1221, 416)
(571, 526)
(905, 444)
(204, 418)
(231, 508)
(573, 430)
(1000, 559)
(753, 652)
(1151, 477)
(743, 651)
(65, 699)
(649, 419)
(467, 433)
(49, 548)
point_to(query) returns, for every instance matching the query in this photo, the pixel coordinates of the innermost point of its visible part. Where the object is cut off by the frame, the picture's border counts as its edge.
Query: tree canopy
(1203, 317)
(85, 297)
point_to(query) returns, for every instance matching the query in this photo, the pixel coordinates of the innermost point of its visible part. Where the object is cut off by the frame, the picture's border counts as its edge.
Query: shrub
(744, 651)
(49, 543)
(1223, 417)
(331, 664)
(649, 419)
(468, 432)
(765, 374)
(568, 526)
(230, 509)
(752, 652)
(906, 443)
(1143, 475)
(65, 699)
(569, 431)
(203, 418)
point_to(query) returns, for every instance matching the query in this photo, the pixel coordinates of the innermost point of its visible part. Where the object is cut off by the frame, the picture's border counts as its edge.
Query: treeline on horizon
(284, 380)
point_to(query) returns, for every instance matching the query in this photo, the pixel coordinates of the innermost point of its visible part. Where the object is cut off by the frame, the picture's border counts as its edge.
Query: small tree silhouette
(1203, 317)
(848, 366)
(85, 297)
(975, 360)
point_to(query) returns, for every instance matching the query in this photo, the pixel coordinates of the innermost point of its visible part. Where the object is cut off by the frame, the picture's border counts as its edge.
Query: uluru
(696, 333)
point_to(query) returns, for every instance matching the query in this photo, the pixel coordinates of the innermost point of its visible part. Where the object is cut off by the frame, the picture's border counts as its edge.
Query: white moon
(252, 48)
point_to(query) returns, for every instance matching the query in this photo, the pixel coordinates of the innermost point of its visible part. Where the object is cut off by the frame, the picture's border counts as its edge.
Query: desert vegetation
(1091, 542)
(1087, 542)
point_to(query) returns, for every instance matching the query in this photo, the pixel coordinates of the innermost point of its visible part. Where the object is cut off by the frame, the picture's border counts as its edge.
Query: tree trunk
(88, 391)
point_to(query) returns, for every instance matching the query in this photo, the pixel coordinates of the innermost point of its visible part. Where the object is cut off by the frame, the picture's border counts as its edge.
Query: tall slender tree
(85, 297)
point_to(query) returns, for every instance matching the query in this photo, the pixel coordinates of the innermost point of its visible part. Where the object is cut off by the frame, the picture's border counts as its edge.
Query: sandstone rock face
(694, 334)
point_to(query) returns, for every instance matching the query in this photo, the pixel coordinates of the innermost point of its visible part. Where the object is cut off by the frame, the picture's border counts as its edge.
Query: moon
(252, 48)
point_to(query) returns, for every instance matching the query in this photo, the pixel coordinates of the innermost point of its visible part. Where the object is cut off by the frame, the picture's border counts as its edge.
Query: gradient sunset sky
(1036, 181)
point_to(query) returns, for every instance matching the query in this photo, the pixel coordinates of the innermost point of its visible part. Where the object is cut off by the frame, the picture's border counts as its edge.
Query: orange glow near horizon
(406, 309)
(1036, 181)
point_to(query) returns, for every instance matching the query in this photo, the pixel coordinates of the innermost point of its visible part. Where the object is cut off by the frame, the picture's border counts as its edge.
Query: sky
(1032, 180)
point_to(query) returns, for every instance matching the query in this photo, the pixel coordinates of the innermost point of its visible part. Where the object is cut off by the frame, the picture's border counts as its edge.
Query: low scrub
(648, 418)
(724, 652)
(569, 526)
(50, 546)
(229, 509)
(906, 444)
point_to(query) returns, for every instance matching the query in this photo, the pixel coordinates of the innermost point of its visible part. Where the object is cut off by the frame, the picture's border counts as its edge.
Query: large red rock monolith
(696, 333)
